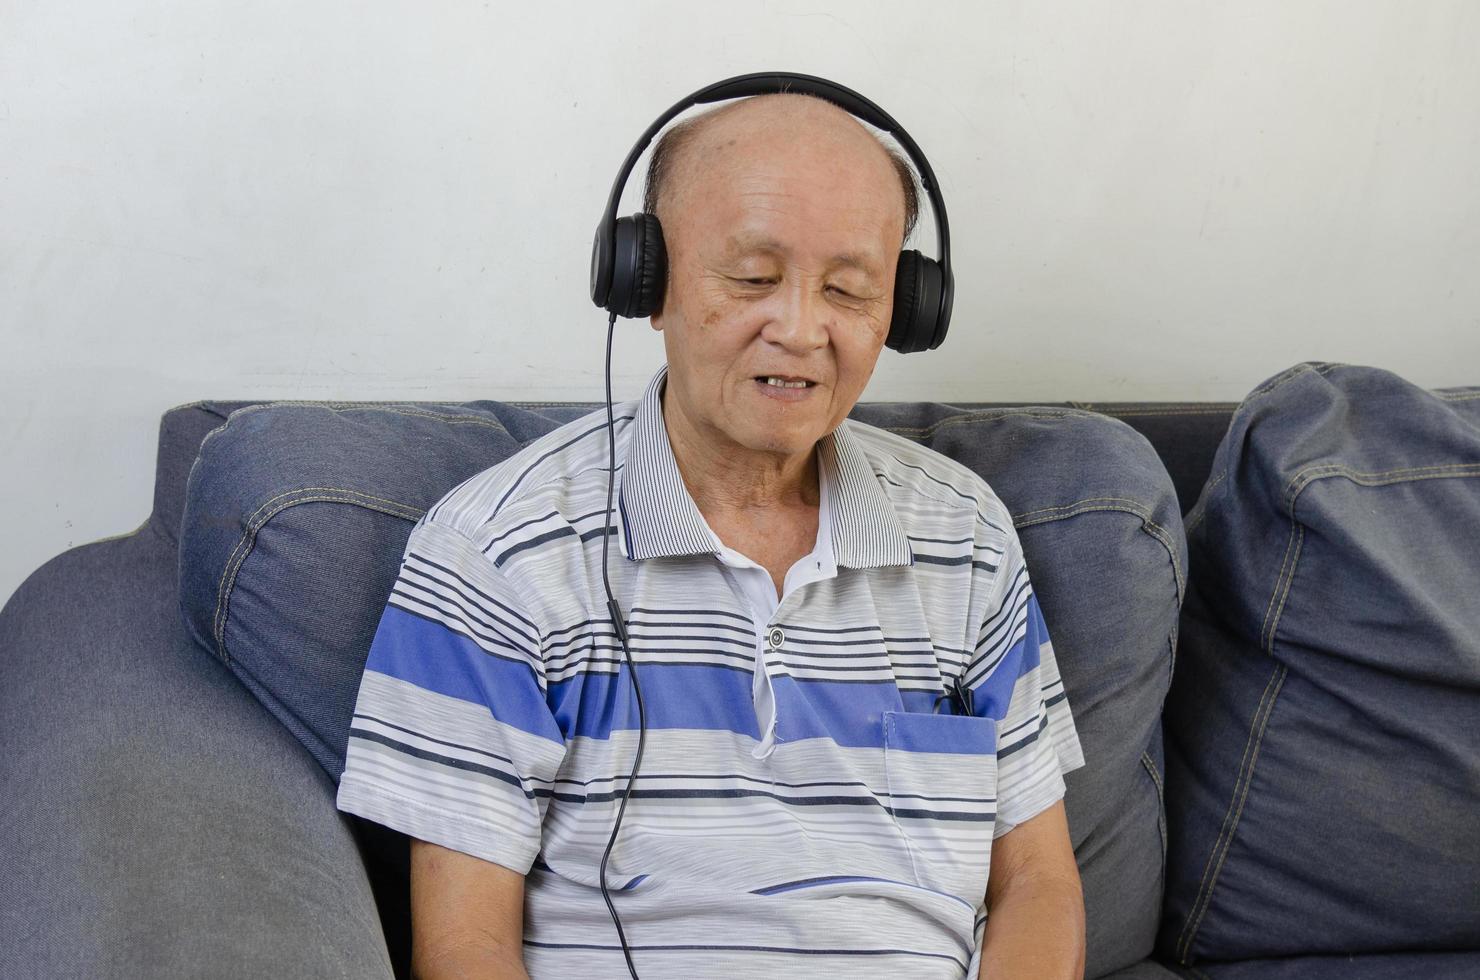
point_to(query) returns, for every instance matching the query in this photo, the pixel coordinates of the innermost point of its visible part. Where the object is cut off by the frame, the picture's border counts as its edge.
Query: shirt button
(775, 638)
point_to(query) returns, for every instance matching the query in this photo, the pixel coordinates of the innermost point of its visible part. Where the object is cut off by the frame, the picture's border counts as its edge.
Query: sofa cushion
(295, 518)
(1374, 966)
(1323, 749)
(297, 514)
(154, 822)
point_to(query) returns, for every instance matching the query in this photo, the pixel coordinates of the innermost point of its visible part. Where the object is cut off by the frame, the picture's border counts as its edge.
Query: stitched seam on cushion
(1141, 508)
(1273, 383)
(1280, 380)
(1198, 514)
(1124, 412)
(244, 546)
(1150, 765)
(389, 408)
(1161, 817)
(205, 440)
(223, 598)
(394, 408)
(1363, 478)
(1459, 396)
(250, 531)
(1274, 625)
(1281, 582)
(1090, 405)
(1378, 478)
(1284, 377)
(353, 406)
(538, 405)
(1310, 475)
(1235, 813)
(1132, 507)
(988, 415)
(1160, 535)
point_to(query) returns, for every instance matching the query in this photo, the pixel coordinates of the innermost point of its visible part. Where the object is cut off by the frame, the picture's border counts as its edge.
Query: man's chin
(779, 442)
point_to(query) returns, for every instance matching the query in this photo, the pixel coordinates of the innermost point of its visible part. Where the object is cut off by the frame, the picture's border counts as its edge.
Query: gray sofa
(1279, 704)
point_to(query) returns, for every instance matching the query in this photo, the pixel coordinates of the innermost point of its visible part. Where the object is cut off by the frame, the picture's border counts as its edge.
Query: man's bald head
(680, 152)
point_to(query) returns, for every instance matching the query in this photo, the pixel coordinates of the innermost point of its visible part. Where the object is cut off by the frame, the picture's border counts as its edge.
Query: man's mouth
(778, 381)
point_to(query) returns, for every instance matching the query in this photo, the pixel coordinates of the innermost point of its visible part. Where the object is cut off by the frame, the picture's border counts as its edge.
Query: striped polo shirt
(809, 798)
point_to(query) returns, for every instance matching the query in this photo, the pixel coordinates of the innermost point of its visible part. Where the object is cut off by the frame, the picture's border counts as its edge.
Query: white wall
(1150, 200)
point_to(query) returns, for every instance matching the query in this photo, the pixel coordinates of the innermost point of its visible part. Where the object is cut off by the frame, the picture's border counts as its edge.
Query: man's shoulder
(546, 478)
(911, 473)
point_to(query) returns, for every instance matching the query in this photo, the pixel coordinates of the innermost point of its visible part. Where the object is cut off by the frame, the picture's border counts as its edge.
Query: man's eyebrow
(745, 244)
(738, 245)
(856, 260)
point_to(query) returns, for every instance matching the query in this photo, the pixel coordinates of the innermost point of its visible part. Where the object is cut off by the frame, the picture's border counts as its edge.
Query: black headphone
(629, 262)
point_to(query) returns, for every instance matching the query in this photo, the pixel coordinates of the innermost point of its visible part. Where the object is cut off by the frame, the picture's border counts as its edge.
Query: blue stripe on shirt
(992, 696)
(431, 656)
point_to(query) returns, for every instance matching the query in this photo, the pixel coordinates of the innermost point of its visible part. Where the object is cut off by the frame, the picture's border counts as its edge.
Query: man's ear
(659, 318)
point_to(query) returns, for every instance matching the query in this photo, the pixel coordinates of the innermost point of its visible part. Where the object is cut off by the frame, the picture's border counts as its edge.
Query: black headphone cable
(621, 628)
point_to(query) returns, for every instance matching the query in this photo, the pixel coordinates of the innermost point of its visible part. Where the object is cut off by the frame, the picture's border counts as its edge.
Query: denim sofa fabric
(295, 519)
(1371, 966)
(1323, 750)
(154, 822)
(1184, 434)
(296, 516)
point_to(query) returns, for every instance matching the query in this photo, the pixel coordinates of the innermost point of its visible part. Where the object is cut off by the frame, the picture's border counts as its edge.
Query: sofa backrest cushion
(1323, 735)
(296, 516)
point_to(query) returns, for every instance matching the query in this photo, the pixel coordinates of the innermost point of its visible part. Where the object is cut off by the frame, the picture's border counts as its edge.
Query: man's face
(783, 239)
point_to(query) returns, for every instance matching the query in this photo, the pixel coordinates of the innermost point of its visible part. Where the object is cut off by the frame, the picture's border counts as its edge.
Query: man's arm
(1035, 905)
(467, 917)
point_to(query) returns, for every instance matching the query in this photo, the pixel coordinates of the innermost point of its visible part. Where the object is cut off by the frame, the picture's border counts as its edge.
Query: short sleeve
(452, 739)
(1014, 679)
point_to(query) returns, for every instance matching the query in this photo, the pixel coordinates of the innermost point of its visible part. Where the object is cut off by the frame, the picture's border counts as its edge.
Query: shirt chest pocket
(942, 781)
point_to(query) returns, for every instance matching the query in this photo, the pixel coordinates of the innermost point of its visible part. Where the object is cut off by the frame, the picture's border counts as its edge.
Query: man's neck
(728, 480)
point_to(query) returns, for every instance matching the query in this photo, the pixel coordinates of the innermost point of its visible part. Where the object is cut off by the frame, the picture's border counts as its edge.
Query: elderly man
(800, 590)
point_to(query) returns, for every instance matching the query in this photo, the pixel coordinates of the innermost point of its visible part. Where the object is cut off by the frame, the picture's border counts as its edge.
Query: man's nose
(802, 320)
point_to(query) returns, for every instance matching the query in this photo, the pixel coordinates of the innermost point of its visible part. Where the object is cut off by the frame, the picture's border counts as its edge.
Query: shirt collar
(659, 519)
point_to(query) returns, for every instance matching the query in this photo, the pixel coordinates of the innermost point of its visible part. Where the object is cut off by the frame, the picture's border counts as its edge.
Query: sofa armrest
(154, 820)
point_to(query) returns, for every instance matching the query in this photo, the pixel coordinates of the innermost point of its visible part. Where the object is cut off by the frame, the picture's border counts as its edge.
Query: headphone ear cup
(903, 323)
(917, 291)
(626, 255)
(653, 271)
(640, 266)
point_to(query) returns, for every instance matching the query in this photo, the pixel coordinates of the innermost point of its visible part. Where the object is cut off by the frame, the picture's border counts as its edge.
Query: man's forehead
(788, 132)
(778, 130)
(761, 114)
